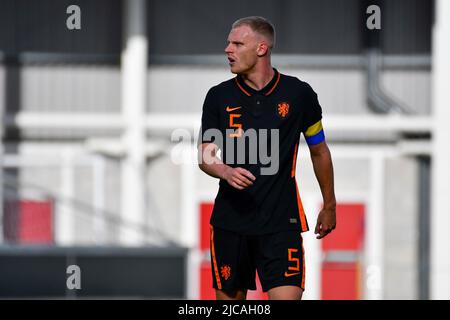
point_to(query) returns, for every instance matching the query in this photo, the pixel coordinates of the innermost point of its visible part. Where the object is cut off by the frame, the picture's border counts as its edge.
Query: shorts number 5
(293, 259)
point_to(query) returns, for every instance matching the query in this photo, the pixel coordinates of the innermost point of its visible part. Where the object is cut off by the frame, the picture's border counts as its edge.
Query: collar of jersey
(268, 89)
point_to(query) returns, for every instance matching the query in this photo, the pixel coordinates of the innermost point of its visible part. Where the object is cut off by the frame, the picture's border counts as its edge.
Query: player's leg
(285, 293)
(238, 294)
(281, 265)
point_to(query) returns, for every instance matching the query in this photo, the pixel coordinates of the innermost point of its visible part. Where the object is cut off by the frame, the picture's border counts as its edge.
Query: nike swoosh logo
(229, 109)
(291, 274)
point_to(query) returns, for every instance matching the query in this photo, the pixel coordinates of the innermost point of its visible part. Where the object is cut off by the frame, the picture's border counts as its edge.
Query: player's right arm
(209, 163)
(208, 160)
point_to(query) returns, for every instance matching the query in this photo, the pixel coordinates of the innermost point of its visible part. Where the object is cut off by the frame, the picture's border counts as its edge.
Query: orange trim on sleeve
(301, 211)
(303, 267)
(275, 85)
(213, 253)
(294, 161)
(240, 87)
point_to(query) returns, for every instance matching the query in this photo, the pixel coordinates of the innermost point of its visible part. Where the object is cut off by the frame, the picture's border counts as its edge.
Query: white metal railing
(168, 122)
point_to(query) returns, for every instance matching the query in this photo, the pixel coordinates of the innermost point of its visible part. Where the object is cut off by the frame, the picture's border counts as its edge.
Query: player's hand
(326, 222)
(239, 178)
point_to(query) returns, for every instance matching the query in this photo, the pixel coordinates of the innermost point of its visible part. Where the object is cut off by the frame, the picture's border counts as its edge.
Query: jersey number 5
(238, 126)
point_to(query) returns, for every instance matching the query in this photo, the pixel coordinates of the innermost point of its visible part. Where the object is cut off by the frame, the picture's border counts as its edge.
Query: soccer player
(258, 217)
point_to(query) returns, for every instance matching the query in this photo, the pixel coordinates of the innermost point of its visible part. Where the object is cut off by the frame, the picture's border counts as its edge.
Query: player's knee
(286, 293)
(231, 295)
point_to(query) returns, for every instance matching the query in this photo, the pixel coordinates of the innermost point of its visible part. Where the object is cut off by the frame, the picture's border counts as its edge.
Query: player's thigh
(285, 293)
(239, 294)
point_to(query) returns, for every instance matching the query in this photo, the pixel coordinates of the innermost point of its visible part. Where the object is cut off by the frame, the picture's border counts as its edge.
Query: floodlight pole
(134, 80)
(440, 206)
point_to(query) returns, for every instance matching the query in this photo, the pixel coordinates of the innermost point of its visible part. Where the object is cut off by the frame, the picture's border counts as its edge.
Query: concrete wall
(173, 89)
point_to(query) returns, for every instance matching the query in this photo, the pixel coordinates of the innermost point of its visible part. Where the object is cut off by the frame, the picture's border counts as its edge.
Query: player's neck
(260, 77)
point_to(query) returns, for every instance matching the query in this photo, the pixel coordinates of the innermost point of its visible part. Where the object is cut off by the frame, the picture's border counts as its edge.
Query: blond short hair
(259, 25)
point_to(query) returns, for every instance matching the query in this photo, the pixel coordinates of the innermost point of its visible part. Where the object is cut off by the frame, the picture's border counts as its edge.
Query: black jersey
(275, 117)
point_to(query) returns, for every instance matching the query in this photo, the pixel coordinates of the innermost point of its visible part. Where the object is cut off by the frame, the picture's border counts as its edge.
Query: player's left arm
(323, 169)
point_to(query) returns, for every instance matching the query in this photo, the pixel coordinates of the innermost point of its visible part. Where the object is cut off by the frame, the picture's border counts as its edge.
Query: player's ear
(262, 49)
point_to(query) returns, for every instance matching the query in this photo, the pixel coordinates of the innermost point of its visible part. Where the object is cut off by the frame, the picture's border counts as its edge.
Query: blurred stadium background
(93, 177)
